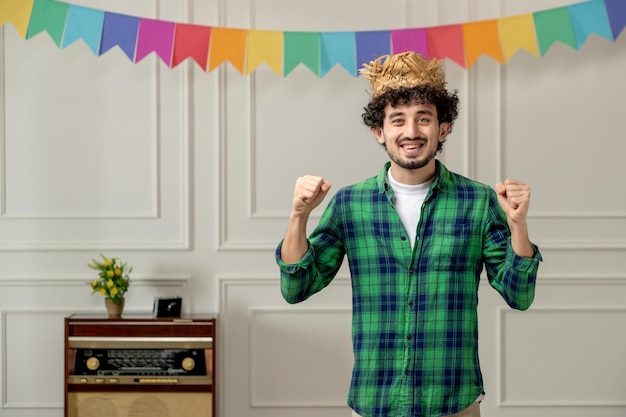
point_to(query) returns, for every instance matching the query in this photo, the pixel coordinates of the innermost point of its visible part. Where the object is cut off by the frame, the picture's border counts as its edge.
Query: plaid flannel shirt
(414, 321)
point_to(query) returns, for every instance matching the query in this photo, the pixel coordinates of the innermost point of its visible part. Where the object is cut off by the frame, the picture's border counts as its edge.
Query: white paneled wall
(188, 175)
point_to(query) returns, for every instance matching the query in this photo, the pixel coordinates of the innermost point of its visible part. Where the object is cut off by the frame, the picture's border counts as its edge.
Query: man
(416, 238)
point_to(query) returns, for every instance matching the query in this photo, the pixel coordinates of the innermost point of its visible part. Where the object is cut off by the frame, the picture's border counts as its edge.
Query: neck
(413, 176)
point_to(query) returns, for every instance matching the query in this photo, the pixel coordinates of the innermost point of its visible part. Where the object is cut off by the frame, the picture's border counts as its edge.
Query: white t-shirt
(408, 200)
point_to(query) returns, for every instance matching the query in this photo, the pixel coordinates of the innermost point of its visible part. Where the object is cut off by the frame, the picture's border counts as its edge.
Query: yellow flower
(113, 277)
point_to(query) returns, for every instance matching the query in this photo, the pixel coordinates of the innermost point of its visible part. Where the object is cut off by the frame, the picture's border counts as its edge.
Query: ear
(444, 129)
(378, 133)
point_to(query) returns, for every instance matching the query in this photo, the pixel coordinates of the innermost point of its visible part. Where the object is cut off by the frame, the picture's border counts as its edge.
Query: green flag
(554, 25)
(302, 47)
(49, 16)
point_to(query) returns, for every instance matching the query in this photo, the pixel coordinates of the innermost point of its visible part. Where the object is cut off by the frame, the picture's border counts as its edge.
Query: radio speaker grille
(139, 404)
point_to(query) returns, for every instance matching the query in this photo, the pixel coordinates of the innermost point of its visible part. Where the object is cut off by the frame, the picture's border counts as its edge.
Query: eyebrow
(400, 113)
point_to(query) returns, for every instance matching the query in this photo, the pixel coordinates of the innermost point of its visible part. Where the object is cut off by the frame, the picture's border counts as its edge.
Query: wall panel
(189, 176)
(81, 160)
(284, 359)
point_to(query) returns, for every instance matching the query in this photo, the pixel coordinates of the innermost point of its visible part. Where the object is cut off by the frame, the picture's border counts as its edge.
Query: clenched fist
(514, 198)
(309, 192)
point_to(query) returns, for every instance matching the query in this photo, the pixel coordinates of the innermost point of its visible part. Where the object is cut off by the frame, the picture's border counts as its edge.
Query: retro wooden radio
(139, 366)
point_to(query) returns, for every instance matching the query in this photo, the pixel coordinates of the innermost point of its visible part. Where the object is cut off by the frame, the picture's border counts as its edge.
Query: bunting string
(283, 51)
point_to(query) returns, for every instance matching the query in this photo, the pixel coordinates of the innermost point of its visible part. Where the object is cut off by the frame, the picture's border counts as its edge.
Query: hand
(514, 198)
(308, 194)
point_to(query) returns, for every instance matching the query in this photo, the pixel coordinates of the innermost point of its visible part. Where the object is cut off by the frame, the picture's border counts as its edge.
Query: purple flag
(616, 10)
(119, 30)
(371, 45)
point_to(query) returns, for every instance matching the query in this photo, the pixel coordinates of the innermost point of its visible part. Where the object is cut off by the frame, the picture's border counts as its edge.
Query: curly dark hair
(446, 102)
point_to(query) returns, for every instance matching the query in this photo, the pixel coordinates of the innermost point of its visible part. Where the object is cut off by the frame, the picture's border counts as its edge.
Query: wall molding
(255, 399)
(6, 404)
(180, 239)
(502, 313)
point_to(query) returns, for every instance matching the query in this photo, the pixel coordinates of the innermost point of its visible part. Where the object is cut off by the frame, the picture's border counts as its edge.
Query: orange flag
(518, 32)
(265, 46)
(17, 12)
(228, 45)
(481, 38)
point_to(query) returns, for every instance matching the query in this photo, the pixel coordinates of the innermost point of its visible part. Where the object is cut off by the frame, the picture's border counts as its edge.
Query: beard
(412, 163)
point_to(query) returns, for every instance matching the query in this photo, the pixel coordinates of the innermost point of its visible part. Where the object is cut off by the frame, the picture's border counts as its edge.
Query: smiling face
(411, 134)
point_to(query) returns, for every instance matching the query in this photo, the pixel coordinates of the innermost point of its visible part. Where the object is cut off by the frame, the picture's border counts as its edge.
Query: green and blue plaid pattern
(414, 322)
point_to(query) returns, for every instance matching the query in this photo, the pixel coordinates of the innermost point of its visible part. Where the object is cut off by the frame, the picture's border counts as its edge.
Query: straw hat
(406, 69)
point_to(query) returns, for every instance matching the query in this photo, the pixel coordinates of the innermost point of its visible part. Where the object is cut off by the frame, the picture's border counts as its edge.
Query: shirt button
(406, 372)
(409, 337)
(403, 238)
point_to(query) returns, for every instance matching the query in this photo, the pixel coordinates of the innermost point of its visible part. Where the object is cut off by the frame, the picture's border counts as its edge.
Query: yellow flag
(17, 12)
(518, 32)
(265, 46)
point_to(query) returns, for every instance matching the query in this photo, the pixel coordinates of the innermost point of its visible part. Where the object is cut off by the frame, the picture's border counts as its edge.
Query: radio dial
(93, 363)
(188, 364)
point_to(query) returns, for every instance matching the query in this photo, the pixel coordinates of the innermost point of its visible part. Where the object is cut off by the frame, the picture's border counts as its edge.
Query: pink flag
(414, 40)
(155, 36)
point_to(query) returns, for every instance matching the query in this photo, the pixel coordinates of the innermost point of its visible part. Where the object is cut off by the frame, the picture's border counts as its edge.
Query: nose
(412, 130)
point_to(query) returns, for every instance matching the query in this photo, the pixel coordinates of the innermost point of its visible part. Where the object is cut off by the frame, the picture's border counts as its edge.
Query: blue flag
(86, 24)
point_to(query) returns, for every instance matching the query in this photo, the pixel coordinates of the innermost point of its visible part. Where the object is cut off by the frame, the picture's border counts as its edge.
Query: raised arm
(309, 192)
(514, 198)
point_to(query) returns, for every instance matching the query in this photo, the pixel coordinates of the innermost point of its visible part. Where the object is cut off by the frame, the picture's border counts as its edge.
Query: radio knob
(188, 364)
(93, 363)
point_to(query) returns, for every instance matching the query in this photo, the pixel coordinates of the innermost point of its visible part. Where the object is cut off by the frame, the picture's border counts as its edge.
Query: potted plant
(112, 282)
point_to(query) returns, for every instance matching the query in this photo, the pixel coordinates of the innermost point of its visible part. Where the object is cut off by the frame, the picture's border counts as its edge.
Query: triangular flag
(446, 42)
(119, 30)
(588, 18)
(403, 40)
(17, 12)
(191, 41)
(302, 47)
(481, 38)
(86, 24)
(265, 46)
(371, 45)
(554, 25)
(155, 36)
(616, 10)
(48, 16)
(228, 45)
(517, 32)
(338, 48)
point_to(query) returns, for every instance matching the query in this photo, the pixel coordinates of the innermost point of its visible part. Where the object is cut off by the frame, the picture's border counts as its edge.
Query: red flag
(446, 42)
(191, 41)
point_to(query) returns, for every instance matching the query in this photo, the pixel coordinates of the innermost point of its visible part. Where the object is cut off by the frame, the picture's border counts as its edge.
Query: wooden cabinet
(140, 366)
